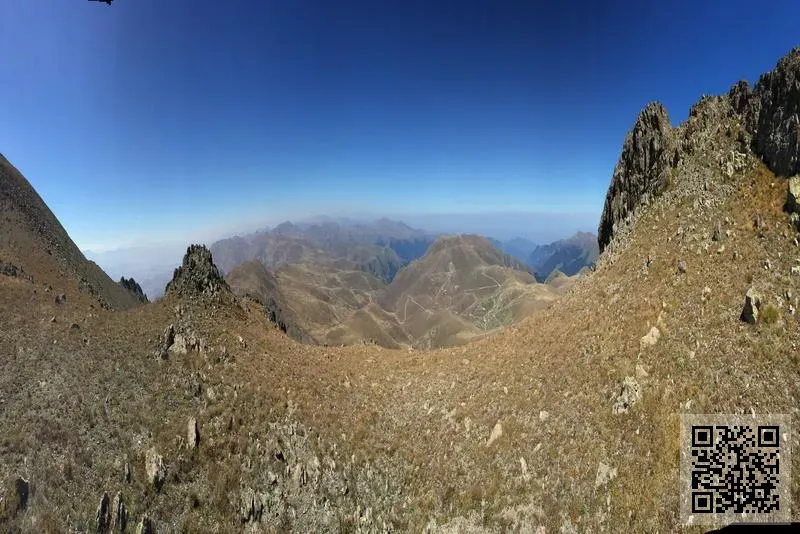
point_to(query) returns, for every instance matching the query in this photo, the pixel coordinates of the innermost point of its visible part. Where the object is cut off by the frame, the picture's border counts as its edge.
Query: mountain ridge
(36, 241)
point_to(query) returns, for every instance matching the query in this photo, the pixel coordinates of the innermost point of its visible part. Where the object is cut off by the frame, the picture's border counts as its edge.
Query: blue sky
(151, 119)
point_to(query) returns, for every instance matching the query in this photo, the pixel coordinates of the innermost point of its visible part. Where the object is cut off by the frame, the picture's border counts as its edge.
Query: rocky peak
(642, 171)
(764, 121)
(739, 96)
(776, 104)
(131, 285)
(197, 275)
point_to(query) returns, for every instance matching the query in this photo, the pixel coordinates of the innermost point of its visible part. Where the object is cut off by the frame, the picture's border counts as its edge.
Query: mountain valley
(468, 396)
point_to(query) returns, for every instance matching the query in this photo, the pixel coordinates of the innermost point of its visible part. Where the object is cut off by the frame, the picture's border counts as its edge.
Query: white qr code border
(783, 490)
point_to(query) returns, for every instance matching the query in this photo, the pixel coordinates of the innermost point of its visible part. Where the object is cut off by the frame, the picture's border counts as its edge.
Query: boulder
(717, 235)
(752, 306)
(178, 347)
(793, 195)
(605, 474)
(641, 371)
(497, 431)
(169, 336)
(651, 338)
(155, 468)
(629, 395)
(192, 434)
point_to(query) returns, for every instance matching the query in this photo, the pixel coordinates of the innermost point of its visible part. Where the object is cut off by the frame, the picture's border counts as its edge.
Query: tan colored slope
(34, 241)
(462, 287)
(407, 434)
(325, 297)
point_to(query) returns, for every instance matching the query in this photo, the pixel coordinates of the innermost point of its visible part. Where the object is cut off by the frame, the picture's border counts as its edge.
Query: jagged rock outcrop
(776, 104)
(119, 515)
(103, 515)
(764, 121)
(197, 276)
(155, 468)
(145, 526)
(131, 285)
(793, 195)
(643, 170)
(22, 489)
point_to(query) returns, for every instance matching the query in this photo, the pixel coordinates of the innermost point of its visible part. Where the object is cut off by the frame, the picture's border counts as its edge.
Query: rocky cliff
(643, 170)
(133, 286)
(197, 276)
(764, 121)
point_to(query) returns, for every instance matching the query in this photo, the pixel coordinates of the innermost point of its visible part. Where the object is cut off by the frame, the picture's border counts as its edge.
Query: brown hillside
(461, 287)
(252, 280)
(34, 242)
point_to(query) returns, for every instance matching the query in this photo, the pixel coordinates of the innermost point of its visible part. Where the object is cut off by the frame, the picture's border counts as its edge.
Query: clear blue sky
(152, 117)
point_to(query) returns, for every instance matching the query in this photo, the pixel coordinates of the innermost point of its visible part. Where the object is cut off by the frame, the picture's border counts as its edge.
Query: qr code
(735, 469)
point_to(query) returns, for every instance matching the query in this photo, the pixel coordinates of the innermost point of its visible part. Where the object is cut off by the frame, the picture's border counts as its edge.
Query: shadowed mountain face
(32, 240)
(568, 256)
(251, 279)
(567, 421)
(131, 285)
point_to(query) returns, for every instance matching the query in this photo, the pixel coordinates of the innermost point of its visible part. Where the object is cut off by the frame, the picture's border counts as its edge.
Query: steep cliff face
(776, 104)
(764, 121)
(642, 172)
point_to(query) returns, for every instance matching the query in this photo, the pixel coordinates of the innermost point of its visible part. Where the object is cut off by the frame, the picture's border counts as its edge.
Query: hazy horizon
(540, 228)
(151, 262)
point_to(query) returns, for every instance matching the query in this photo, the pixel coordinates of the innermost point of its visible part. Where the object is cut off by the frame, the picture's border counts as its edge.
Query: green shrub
(771, 314)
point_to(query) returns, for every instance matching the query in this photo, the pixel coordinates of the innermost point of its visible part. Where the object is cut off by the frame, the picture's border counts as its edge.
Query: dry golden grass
(408, 430)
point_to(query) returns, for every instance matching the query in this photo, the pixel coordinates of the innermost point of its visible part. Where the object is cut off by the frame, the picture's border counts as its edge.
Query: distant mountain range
(568, 256)
(460, 289)
(380, 248)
